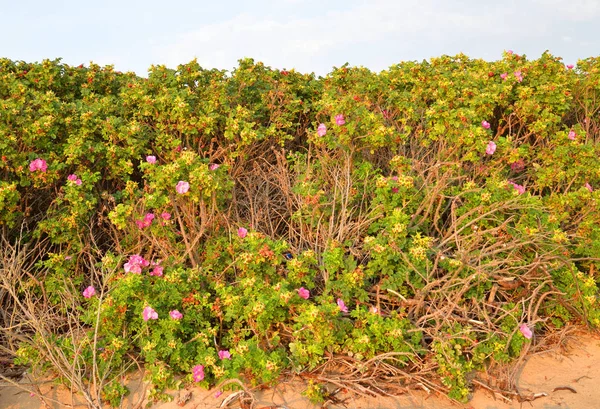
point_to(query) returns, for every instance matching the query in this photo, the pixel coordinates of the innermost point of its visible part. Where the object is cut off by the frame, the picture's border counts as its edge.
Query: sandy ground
(571, 381)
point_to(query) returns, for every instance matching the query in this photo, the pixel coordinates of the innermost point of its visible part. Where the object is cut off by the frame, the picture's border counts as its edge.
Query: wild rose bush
(438, 217)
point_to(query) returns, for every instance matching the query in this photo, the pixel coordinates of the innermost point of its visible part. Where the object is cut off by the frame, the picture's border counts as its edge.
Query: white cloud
(387, 27)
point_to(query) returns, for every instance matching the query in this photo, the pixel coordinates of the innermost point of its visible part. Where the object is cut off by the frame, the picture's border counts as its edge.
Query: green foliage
(438, 250)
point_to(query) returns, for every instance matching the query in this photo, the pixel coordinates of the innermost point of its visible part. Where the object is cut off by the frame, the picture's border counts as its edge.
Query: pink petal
(342, 306)
(198, 373)
(572, 135)
(485, 124)
(504, 75)
(141, 224)
(491, 148)
(588, 187)
(165, 215)
(157, 271)
(213, 166)
(242, 232)
(149, 314)
(322, 130)
(38, 164)
(151, 159)
(135, 269)
(339, 120)
(526, 331)
(570, 66)
(519, 76)
(224, 354)
(89, 292)
(176, 315)
(303, 292)
(519, 188)
(182, 187)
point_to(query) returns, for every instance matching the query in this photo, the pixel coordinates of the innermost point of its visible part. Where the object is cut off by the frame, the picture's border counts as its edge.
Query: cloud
(304, 42)
(375, 33)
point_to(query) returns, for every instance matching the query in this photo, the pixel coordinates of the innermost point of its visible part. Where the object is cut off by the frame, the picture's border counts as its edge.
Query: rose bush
(437, 216)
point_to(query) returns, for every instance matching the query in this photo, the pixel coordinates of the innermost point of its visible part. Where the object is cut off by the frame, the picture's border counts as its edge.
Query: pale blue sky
(309, 35)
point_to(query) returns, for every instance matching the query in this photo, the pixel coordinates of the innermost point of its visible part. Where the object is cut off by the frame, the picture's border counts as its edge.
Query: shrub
(393, 229)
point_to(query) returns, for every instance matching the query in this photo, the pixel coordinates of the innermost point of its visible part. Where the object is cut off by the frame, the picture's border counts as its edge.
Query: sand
(570, 379)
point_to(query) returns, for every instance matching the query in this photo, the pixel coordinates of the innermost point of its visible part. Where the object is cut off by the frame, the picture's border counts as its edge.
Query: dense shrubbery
(413, 225)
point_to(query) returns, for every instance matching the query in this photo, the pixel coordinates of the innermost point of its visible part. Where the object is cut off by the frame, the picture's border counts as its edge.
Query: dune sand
(570, 379)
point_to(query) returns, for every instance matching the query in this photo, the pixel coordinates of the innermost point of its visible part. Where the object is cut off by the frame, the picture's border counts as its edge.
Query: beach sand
(570, 379)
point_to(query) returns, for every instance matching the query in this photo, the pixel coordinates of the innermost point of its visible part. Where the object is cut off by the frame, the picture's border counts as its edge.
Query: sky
(306, 35)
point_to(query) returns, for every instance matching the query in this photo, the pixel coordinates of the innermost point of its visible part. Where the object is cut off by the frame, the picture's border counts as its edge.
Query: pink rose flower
(339, 119)
(213, 166)
(491, 148)
(198, 373)
(572, 135)
(342, 306)
(133, 268)
(89, 292)
(322, 130)
(182, 187)
(224, 354)
(74, 178)
(157, 271)
(141, 224)
(504, 76)
(149, 314)
(147, 221)
(165, 215)
(519, 76)
(176, 315)
(526, 331)
(242, 232)
(519, 188)
(151, 159)
(588, 187)
(135, 264)
(303, 292)
(137, 259)
(570, 66)
(485, 124)
(38, 164)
